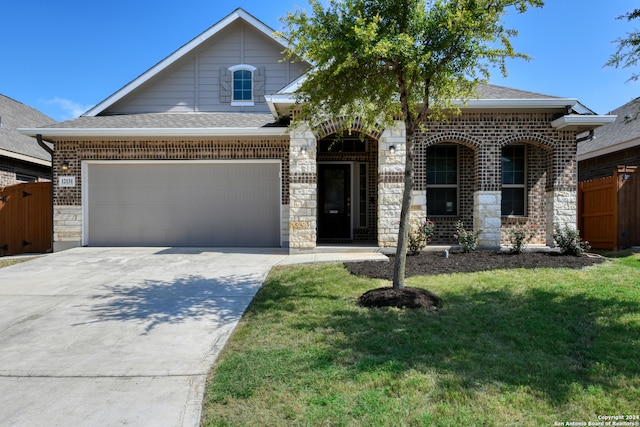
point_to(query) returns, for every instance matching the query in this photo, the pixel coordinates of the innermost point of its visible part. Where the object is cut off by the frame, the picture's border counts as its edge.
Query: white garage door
(182, 204)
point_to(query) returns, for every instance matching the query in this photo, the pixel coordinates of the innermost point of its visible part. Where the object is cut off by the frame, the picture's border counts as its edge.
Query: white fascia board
(543, 103)
(24, 157)
(280, 99)
(178, 54)
(150, 132)
(582, 120)
(608, 150)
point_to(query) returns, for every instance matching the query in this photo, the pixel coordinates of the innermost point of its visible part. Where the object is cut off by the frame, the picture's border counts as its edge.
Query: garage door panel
(184, 204)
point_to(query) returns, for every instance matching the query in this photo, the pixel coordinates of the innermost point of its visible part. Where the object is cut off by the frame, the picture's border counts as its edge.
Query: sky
(63, 57)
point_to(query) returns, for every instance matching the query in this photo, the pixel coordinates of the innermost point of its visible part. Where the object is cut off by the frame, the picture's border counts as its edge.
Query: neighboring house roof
(13, 144)
(621, 134)
(238, 14)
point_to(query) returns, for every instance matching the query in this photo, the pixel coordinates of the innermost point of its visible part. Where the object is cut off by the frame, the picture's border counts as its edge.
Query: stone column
(303, 189)
(487, 199)
(67, 227)
(562, 197)
(561, 210)
(391, 164)
(487, 209)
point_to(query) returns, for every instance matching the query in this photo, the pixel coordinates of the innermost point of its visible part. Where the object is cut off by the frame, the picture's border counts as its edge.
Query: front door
(334, 201)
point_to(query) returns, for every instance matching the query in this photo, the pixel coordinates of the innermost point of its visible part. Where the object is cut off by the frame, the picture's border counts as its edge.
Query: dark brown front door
(334, 201)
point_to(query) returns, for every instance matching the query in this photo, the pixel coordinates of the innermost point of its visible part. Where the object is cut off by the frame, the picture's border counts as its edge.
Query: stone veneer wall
(303, 211)
(562, 210)
(303, 216)
(67, 201)
(391, 184)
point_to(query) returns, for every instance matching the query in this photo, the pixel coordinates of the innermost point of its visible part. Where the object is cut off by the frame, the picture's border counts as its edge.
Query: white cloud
(70, 109)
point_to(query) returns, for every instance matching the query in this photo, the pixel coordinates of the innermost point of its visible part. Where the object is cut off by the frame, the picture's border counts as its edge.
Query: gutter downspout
(46, 148)
(50, 151)
(587, 138)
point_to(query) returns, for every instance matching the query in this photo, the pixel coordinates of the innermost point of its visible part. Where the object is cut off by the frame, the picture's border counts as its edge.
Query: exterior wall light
(65, 166)
(392, 149)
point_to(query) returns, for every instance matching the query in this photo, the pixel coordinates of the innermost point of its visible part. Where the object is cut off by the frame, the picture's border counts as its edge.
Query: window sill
(242, 103)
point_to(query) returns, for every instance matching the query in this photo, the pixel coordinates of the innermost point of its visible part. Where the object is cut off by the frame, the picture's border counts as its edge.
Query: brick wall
(75, 152)
(603, 166)
(10, 169)
(551, 164)
(551, 174)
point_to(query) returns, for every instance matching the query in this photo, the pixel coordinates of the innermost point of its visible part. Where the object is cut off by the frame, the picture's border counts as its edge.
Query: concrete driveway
(119, 336)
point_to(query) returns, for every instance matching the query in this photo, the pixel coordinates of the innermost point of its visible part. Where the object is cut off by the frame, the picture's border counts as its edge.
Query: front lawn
(6, 262)
(510, 347)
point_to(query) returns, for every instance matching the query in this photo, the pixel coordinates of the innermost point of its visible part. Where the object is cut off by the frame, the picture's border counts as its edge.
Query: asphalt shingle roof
(15, 115)
(170, 121)
(487, 91)
(625, 128)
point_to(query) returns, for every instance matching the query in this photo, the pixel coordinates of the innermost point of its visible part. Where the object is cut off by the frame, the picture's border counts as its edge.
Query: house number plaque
(66, 181)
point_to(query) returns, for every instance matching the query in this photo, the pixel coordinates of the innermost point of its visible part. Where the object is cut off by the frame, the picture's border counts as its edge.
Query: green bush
(569, 241)
(468, 240)
(420, 236)
(519, 236)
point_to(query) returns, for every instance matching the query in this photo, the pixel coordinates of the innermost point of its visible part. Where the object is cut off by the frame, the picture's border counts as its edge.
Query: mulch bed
(401, 298)
(431, 263)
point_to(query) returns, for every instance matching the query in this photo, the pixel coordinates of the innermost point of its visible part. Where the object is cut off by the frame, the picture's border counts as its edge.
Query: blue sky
(63, 57)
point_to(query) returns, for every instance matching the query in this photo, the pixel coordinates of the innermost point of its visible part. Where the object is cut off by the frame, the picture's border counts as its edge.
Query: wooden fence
(608, 210)
(25, 218)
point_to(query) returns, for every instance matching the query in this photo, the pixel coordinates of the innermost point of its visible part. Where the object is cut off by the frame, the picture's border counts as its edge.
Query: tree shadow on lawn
(193, 297)
(540, 340)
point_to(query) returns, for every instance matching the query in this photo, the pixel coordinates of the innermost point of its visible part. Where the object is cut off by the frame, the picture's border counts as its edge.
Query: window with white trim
(242, 85)
(442, 180)
(514, 180)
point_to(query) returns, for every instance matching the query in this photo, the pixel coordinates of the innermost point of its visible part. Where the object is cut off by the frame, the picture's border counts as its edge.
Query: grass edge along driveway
(514, 347)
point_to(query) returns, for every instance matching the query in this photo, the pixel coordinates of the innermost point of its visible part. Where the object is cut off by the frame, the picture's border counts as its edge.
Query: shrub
(468, 240)
(569, 241)
(519, 236)
(420, 236)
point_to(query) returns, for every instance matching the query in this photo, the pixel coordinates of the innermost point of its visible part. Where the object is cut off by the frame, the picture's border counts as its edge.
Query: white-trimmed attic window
(242, 85)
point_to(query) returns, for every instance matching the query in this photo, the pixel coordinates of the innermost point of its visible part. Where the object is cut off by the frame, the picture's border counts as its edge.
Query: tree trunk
(405, 214)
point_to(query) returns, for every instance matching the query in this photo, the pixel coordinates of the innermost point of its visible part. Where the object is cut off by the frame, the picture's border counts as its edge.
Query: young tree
(377, 61)
(628, 51)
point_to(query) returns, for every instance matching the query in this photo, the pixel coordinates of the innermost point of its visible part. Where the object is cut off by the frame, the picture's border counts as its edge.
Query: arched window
(242, 85)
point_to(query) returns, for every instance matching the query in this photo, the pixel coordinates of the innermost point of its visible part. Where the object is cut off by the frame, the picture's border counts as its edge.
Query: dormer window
(242, 85)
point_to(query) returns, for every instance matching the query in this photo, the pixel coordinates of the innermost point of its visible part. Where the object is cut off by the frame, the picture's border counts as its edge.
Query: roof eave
(610, 149)
(24, 158)
(75, 133)
(582, 123)
(542, 103)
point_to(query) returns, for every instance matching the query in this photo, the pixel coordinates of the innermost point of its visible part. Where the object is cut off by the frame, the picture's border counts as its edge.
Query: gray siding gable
(200, 80)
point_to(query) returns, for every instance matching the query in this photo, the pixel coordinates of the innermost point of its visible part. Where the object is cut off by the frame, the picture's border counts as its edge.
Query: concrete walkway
(123, 336)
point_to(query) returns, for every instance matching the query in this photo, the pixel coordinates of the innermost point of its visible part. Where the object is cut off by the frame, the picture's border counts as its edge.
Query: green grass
(510, 347)
(11, 261)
